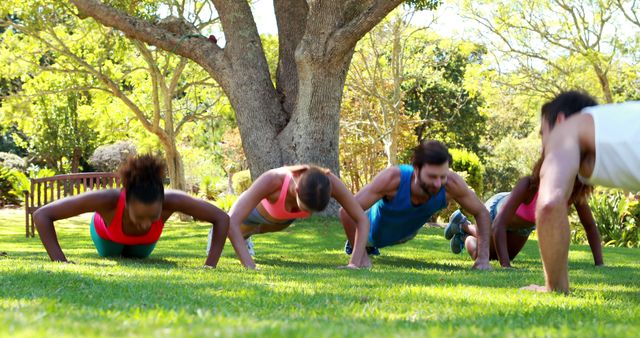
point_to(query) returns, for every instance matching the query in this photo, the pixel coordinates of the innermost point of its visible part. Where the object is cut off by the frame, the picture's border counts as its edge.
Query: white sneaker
(248, 241)
(209, 240)
(250, 246)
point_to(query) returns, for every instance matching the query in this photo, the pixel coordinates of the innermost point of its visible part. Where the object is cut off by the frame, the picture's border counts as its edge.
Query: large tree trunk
(296, 122)
(312, 134)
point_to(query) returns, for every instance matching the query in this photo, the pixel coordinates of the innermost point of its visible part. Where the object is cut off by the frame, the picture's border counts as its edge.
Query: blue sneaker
(456, 221)
(457, 242)
(371, 250)
(348, 249)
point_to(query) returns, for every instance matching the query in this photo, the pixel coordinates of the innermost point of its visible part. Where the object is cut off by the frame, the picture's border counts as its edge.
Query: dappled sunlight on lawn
(415, 289)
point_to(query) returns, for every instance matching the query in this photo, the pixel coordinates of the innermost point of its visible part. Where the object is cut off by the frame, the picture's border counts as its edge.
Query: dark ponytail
(314, 188)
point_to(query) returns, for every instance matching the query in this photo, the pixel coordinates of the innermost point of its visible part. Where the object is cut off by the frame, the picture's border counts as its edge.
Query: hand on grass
(482, 265)
(349, 266)
(535, 288)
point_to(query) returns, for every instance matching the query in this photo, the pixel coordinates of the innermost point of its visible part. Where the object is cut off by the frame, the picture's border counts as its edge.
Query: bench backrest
(48, 189)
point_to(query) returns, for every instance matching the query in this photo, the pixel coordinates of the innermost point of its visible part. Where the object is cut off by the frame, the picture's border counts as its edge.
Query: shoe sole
(458, 219)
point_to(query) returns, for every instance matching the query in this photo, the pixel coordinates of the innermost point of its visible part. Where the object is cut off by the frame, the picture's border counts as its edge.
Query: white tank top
(617, 141)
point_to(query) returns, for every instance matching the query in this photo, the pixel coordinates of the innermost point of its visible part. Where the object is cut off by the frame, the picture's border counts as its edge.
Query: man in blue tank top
(401, 199)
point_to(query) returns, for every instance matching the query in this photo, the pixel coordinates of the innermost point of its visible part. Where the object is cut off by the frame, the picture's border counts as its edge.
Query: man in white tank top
(602, 146)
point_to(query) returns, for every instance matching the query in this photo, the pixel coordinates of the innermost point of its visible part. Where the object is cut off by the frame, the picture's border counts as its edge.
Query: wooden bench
(48, 189)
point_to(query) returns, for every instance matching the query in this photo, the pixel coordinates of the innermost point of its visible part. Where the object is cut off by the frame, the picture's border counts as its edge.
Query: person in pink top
(513, 214)
(280, 196)
(513, 219)
(128, 222)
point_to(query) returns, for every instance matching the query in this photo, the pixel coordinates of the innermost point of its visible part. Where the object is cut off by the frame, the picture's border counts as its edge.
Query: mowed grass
(417, 289)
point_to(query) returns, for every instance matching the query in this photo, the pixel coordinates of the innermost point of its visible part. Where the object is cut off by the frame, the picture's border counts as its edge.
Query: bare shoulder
(105, 198)
(175, 197)
(388, 179)
(272, 179)
(456, 185)
(102, 201)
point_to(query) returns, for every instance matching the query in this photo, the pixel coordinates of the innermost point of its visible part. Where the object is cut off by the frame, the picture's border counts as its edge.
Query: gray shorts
(494, 205)
(256, 219)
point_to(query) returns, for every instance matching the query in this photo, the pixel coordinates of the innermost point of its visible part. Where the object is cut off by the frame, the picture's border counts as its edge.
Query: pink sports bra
(114, 232)
(277, 210)
(528, 211)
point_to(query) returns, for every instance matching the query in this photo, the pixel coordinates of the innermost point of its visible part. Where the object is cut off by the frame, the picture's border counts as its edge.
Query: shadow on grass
(331, 308)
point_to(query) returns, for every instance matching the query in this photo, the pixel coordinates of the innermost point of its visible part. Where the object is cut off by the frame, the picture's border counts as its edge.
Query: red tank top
(114, 232)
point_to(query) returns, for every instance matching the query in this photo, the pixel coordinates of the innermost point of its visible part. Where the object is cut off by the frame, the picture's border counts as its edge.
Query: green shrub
(225, 202)
(12, 161)
(511, 159)
(617, 218)
(12, 183)
(241, 181)
(212, 187)
(468, 164)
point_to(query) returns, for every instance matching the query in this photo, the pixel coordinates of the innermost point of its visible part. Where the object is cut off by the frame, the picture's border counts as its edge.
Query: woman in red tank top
(129, 222)
(282, 195)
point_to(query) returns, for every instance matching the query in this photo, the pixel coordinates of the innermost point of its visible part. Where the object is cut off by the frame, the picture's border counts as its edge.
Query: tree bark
(297, 121)
(604, 83)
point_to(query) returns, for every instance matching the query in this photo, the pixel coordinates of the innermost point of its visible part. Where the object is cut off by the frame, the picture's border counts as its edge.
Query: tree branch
(347, 36)
(202, 51)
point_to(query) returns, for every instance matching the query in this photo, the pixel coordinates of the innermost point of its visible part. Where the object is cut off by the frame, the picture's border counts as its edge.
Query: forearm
(593, 236)
(220, 231)
(240, 246)
(500, 243)
(49, 239)
(484, 236)
(359, 249)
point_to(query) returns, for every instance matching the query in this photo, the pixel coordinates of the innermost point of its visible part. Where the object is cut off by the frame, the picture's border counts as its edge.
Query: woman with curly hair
(128, 222)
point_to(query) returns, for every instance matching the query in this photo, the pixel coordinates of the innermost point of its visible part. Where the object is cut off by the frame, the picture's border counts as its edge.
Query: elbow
(224, 221)
(343, 215)
(39, 218)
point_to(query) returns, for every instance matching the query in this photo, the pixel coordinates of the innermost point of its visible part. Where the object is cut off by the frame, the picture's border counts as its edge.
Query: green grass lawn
(417, 289)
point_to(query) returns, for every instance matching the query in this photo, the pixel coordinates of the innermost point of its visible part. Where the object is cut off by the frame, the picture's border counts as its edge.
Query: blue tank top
(395, 220)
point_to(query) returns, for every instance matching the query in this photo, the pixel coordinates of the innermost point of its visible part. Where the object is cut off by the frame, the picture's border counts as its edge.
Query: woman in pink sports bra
(513, 220)
(280, 196)
(129, 222)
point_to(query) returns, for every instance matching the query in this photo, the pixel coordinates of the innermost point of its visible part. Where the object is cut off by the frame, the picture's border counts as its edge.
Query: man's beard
(425, 188)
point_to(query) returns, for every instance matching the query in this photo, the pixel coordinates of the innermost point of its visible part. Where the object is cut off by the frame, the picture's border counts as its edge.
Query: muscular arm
(351, 206)
(65, 208)
(518, 195)
(593, 235)
(386, 183)
(267, 183)
(461, 193)
(204, 211)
